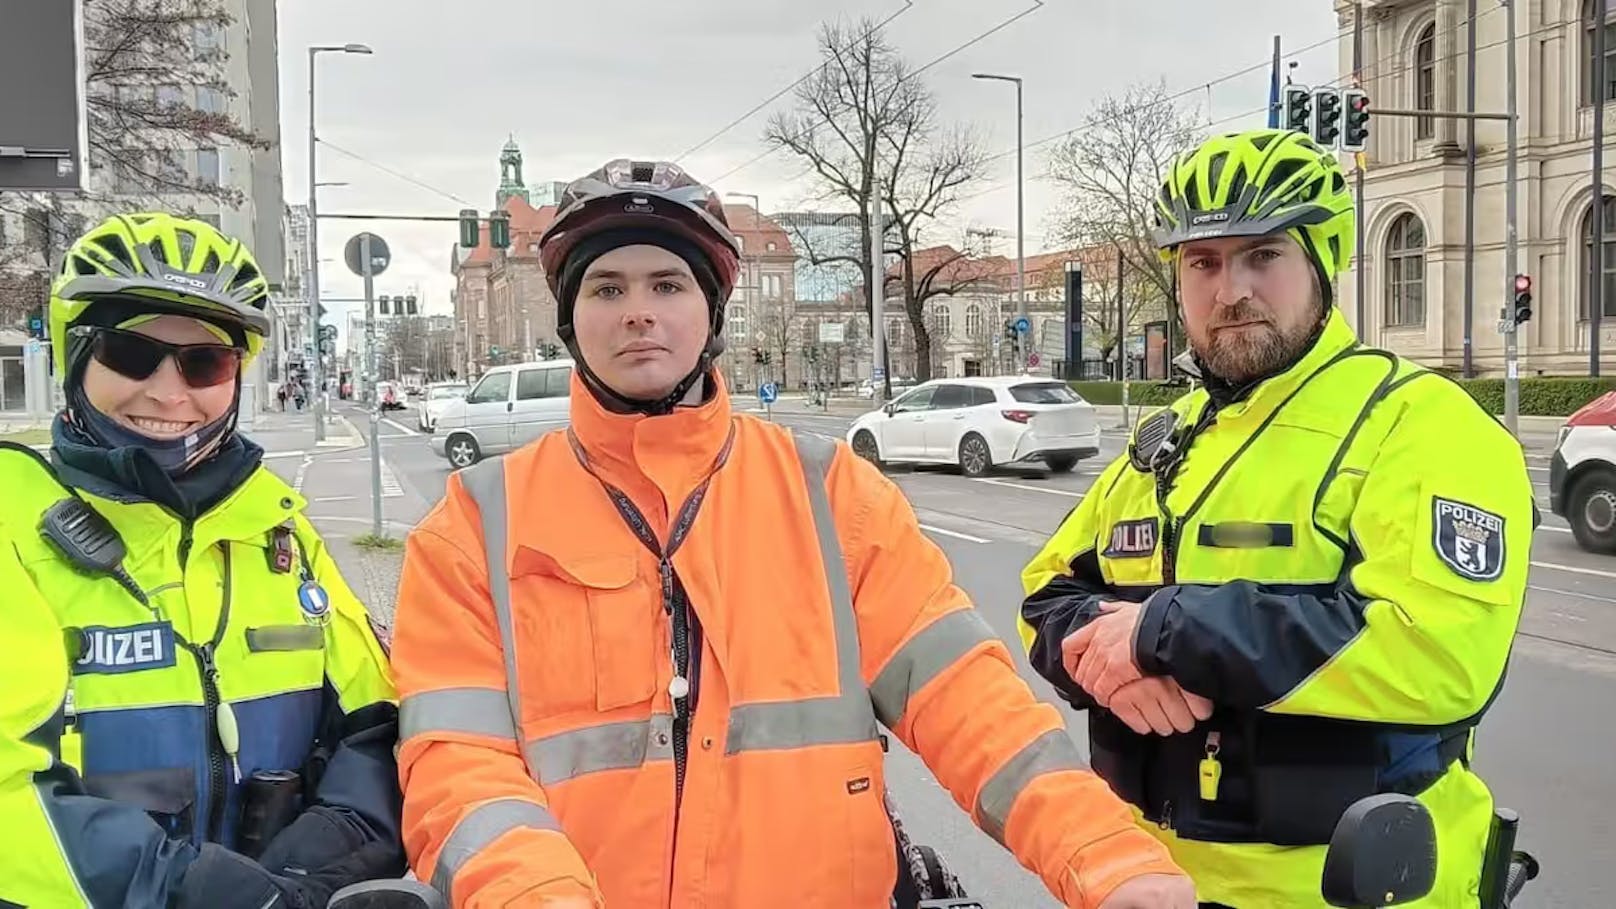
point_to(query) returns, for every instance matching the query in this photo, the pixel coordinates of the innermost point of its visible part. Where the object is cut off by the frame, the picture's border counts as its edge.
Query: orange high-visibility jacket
(822, 609)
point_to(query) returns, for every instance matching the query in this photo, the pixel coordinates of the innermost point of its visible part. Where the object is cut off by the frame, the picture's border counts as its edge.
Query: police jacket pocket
(168, 795)
(594, 621)
(1307, 772)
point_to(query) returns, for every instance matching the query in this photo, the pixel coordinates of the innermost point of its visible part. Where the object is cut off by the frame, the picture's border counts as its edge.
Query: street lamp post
(754, 281)
(1021, 186)
(318, 371)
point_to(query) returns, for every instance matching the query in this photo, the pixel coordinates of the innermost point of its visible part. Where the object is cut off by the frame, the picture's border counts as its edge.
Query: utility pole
(1360, 278)
(1122, 338)
(1596, 272)
(878, 366)
(1470, 195)
(370, 367)
(1512, 371)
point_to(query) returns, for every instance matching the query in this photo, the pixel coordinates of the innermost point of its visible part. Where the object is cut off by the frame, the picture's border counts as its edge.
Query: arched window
(1425, 81)
(942, 322)
(1405, 272)
(1588, 36)
(1607, 302)
(973, 322)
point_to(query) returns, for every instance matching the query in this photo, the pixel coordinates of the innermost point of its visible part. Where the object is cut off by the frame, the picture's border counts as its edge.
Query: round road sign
(379, 254)
(1032, 359)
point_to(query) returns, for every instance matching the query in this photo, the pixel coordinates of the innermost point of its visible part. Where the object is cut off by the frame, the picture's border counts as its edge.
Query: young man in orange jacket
(642, 661)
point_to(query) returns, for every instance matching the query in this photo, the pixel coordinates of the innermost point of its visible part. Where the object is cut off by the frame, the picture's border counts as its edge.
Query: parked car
(507, 408)
(434, 399)
(981, 423)
(1582, 475)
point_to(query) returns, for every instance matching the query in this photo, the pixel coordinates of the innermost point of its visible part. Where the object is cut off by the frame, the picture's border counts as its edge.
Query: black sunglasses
(136, 356)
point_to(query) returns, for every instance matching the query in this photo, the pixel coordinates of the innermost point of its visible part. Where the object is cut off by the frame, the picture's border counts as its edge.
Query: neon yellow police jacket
(1337, 559)
(115, 763)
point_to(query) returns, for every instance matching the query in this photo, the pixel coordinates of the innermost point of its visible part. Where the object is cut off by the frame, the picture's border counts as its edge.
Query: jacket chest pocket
(589, 629)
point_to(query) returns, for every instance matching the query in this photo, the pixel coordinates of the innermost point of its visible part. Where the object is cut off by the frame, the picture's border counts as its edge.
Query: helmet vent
(246, 275)
(156, 246)
(210, 265)
(1262, 142)
(1283, 171)
(187, 244)
(643, 173)
(114, 247)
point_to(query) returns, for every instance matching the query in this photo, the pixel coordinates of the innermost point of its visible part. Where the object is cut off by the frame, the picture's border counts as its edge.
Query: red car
(1582, 475)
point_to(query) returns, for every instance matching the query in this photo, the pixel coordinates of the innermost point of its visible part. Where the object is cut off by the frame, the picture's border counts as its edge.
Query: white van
(509, 407)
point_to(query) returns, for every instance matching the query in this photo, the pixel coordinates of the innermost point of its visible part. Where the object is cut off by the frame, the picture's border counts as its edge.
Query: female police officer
(186, 672)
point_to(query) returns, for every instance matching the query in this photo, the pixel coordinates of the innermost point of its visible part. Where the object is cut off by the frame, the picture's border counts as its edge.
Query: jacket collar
(675, 451)
(1333, 338)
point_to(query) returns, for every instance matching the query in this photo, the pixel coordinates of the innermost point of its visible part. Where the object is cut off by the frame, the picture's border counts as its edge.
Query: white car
(1582, 475)
(979, 424)
(434, 399)
(509, 407)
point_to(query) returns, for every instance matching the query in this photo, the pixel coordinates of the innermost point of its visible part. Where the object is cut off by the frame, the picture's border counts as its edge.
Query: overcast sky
(578, 83)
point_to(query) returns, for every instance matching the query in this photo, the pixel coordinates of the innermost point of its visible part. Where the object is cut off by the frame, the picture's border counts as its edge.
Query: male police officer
(1299, 585)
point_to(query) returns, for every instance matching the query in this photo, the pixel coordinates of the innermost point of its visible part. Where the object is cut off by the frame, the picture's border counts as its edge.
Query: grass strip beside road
(27, 437)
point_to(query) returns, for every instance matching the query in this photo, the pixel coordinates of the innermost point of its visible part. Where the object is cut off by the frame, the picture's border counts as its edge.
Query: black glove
(318, 837)
(221, 879)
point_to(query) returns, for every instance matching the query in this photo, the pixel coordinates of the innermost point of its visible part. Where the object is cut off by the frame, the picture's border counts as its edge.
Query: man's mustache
(1238, 313)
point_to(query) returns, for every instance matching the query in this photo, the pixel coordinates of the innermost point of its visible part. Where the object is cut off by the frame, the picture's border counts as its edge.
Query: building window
(770, 246)
(973, 321)
(773, 287)
(209, 100)
(1589, 8)
(1425, 81)
(207, 166)
(210, 219)
(942, 322)
(1405, 272)
(169, 96)
(1607, 301)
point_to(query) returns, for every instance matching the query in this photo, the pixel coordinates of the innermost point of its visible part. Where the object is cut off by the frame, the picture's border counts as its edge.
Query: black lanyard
(674, 602)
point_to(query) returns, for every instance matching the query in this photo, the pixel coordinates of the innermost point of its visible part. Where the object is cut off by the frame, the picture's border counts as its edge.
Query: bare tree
(156, 115)
(1110, 173)
(863, 122)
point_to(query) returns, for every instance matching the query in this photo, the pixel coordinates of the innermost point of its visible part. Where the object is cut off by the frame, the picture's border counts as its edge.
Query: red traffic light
(1358, 102)
(1523, 284)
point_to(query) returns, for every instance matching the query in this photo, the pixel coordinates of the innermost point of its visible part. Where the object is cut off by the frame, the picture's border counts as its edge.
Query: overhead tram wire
(1037, 5)
(908, 5)
(1094, 121)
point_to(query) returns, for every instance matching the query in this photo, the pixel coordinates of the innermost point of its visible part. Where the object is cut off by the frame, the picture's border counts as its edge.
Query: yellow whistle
(1211, 770)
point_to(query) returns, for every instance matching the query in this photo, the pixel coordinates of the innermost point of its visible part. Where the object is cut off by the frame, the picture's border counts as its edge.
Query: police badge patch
(1468, 540)
(1132, 539)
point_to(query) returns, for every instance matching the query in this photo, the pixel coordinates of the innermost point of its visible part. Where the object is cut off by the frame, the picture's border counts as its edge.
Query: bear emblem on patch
(1468, 540)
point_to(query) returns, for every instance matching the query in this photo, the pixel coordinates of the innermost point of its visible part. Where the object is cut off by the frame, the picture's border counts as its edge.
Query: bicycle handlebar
(1522, 868)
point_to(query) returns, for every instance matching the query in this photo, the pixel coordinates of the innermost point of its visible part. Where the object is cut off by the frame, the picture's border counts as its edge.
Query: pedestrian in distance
(643, 660)
(1298, 586)
(194, 709)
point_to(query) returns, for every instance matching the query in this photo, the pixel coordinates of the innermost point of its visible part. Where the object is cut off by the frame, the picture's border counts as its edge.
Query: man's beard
(1253, 351)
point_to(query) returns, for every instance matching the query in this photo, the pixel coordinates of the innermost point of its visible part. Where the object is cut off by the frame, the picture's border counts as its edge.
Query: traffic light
(1298, 108)
(1327, 117)
(1523, 299)
(381, 304)
(757, 355)
(499, 229)
(408, 301)
(1355, 132)
(470, 232)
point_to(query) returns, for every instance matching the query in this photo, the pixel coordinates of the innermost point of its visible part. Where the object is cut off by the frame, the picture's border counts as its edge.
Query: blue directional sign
(1023, 325)
(768, 393)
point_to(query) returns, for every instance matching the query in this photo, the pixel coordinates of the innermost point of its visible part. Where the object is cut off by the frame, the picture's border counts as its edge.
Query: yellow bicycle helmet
(1255, 183)
(151, 263)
